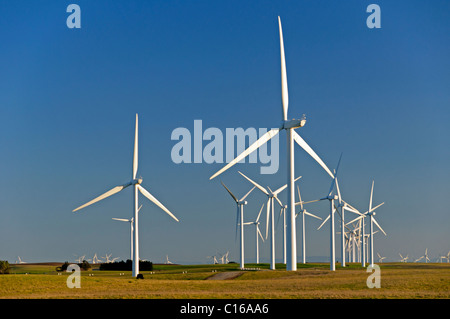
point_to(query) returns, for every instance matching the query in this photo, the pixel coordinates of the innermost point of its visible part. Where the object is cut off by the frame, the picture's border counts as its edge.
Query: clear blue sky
(68, 98)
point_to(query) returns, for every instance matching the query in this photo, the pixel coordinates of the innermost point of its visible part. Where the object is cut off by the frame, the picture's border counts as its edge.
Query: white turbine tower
(131, 221)
(270, 213)
(304, 212)
(240, 215)
(136, 183)
(258, 233)
(289, 126)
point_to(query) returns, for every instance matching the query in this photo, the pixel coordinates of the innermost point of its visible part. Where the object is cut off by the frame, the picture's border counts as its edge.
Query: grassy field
(398, 280)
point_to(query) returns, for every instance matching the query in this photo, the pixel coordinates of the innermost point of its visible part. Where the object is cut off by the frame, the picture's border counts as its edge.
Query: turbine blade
(135, 155)
(259, 232)
(263, 139)
(378, 225)
(300, 197)
(122, 220)
(323, 223)
(377, 206)
(248, 193)
(103, 196)
(260, 211)
(284, 186)
(229, 192)
(312, 215)
(371, 194)
(155, 201)
(300, 141)
(356, 219)
(284, 87)
(262, 189)
(278, 200)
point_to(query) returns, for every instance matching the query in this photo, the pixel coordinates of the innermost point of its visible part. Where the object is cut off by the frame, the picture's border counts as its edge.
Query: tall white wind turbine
(289, 126)
(271, 195)
(240, 216)
(136, 183)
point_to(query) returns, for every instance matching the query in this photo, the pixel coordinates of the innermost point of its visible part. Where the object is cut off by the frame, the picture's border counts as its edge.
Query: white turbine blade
(376, 207)
(155, 201)
(323, 223)
(122, 220)
(247, 193)
(103, 196)
(335, 177)
(311, 201)
(338, 191)
(371, 194)
(284, 87)
(300, 141)
(263, 139)
(278, 200)
(300, 198)
(260, 211)
(378, 225)
(284, 186)
(262, 189)
(231, 194)
(259, 232)
(312, 215)
(357, 218)
(135, 155)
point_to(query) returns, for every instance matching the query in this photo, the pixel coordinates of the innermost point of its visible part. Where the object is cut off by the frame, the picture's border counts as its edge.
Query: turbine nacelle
(137, 181)
(242, 202)
(294, 123)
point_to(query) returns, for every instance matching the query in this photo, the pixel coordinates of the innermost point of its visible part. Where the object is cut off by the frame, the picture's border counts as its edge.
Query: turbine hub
(294, 123)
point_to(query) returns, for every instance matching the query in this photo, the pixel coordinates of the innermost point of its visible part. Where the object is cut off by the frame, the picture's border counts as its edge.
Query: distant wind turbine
(271, 195)
(240, 215)
(258, 233)
(131, 221)
(136, 183)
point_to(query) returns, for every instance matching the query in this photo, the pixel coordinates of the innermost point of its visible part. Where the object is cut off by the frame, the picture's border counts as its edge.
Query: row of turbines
(354, 241)
(337, 204)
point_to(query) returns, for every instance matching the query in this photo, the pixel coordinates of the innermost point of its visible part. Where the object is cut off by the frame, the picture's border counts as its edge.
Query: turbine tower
(136, 183)
(289, 126)
(240, 215)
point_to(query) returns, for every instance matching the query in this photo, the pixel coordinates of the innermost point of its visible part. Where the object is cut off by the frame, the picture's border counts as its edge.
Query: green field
(398, 280)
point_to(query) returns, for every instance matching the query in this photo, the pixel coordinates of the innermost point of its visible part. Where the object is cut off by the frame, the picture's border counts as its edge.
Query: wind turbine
(304, 212)
(131, 221)
(403, 259)
(136, 183)
(380, 259)
(270, 211)
(289, 126)
(426, 256)
(240, 214)
(258, 232)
